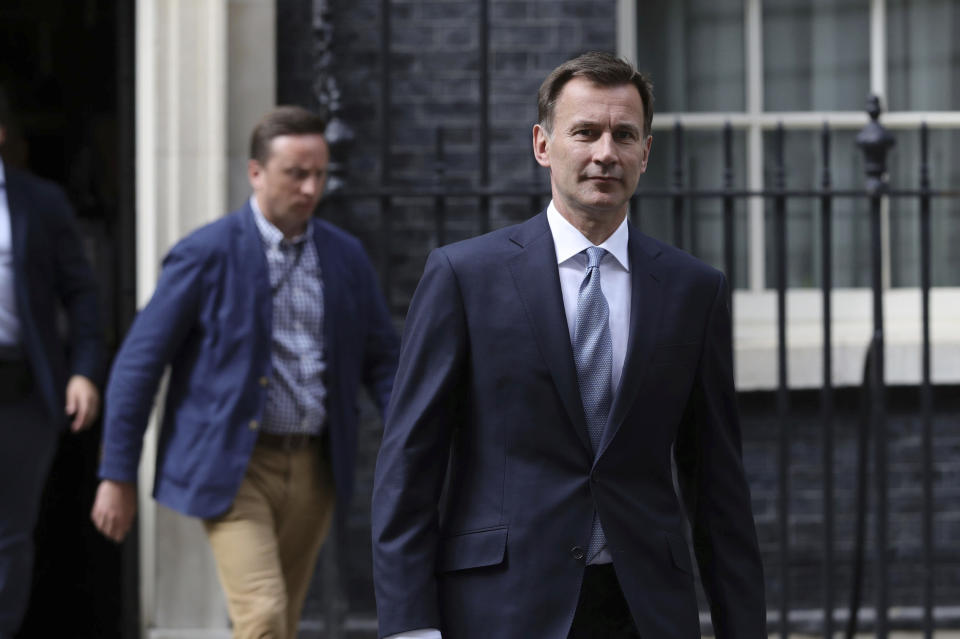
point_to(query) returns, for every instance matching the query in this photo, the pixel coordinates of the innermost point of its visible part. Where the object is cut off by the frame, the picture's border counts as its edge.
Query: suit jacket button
(254, 424)
(577, 553)
(264, 381)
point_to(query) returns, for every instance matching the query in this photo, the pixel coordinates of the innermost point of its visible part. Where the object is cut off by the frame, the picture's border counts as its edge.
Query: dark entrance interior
(68, 70)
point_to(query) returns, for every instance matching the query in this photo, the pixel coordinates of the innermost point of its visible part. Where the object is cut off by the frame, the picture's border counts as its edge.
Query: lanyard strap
(285, 277)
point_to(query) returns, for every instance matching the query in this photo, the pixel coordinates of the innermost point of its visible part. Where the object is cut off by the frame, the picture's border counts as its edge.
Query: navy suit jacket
(210, 318)
(491, 544)
(51, 272)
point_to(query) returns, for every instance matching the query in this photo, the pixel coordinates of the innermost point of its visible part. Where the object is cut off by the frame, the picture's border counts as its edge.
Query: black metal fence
(435, 194)
(874, 141)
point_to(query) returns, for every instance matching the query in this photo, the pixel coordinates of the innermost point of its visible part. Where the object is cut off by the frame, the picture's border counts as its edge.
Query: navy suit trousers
(602, 610)
(27, 445)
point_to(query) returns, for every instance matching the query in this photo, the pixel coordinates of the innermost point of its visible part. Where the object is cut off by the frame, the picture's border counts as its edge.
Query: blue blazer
(210, 319)
(491, 544)
(51, 272)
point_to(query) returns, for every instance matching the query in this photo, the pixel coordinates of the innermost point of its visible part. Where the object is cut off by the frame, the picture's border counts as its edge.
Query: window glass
(944, 171)
(803, 169)
(815, 55)
(702, 168)
(694, 52)
(924, 54)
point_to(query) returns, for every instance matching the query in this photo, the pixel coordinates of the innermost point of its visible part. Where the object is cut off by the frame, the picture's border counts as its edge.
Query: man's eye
(626, 135)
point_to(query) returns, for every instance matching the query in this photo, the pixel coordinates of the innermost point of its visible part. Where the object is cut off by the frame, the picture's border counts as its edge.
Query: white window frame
(756, 306)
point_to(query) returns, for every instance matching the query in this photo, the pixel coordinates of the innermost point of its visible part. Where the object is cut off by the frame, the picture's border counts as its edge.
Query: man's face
(597, 149)
(289, 186)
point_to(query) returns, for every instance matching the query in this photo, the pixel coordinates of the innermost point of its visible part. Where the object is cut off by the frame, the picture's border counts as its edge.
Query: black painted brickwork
(434, 64)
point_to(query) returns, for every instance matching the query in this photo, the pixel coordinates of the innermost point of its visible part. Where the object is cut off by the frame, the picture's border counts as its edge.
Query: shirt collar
(271, 235)
(569, 241)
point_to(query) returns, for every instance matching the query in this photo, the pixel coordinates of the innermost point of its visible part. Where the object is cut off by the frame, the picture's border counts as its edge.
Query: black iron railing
(389, 198)
(874, 141)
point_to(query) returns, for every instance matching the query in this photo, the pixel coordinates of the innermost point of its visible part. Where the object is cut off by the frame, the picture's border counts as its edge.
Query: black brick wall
(434, 64)
(434, 75)
(904, 477)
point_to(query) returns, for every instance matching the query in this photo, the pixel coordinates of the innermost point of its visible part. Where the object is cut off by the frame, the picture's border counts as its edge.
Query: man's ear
(647, 144)
(541, 145)
(3, 135)
(253, 172)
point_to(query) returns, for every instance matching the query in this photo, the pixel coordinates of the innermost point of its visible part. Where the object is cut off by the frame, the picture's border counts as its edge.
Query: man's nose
(310, 186)
(605, 151)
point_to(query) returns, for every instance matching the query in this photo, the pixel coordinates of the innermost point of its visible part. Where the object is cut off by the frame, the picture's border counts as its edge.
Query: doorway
(68, 70)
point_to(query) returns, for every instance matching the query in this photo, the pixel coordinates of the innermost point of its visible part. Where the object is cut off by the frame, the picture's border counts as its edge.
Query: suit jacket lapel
(538, 282)
(327, 254)
(19, 237)
(646, 308)
(18, 222)
(255, 260)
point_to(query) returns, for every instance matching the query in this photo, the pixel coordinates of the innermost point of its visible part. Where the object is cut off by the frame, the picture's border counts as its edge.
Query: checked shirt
(296, 393)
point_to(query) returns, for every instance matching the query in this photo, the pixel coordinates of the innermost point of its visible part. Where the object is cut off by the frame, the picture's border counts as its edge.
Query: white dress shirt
(570, 245)
(9, 321)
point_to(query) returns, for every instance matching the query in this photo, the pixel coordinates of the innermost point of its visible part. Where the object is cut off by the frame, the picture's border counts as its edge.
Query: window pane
(815, 55)
(851, 216)
(803, 160)
(702, 168)
(924, 54)
(694, 52)
(944, 167)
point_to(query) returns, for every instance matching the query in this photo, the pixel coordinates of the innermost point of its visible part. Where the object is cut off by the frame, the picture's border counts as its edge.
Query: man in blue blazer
(549, 374)
(42, 270)
(270, 320)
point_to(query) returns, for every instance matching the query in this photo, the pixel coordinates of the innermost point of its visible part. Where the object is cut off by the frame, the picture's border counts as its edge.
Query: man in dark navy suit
(549, 374)
(270, 321)
(43, 386)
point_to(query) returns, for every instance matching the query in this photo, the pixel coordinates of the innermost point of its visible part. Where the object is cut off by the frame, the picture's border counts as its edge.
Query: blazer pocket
(679, 552)
(473, 549)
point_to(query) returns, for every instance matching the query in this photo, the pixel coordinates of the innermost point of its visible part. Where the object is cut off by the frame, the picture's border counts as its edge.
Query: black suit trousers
(28, 443)
(602, 611)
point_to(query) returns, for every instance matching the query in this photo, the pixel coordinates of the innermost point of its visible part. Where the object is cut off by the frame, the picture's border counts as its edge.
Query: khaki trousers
(266, 545)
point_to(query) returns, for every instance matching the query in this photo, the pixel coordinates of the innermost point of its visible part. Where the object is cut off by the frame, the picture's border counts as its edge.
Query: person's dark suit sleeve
(381, 344)
(423, 411)
(153, 339)
(714, 487)
(76, 288)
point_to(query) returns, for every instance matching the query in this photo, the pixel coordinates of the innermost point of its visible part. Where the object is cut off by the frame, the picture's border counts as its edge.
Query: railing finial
(875, 141)
(328, 97)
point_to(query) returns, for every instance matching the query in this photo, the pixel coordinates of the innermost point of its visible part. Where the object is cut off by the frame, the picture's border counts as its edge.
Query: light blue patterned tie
(593, 354)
